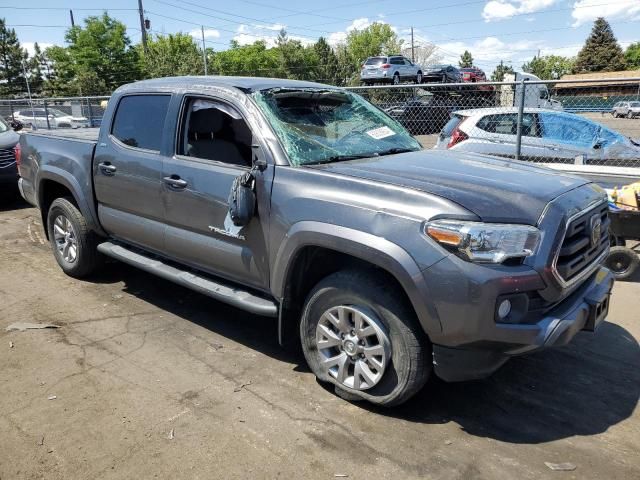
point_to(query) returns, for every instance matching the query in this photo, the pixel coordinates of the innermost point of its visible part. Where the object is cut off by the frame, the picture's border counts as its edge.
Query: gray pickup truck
(301, 201)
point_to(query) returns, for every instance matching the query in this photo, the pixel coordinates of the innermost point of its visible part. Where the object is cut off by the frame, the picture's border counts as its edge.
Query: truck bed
(87, 134)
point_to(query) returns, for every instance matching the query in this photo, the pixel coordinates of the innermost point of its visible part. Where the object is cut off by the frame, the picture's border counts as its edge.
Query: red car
(473, 75)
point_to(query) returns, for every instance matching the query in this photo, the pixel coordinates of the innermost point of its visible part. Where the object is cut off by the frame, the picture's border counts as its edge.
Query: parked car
(473, 74)
(393, 69)
(424, 114)
(8, 169)
(548, 136)
(303, 202)
(626, 109)
(49, 118)
(442, 74)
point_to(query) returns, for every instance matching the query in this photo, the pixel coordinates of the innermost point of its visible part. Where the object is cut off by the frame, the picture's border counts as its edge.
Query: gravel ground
(144, 379)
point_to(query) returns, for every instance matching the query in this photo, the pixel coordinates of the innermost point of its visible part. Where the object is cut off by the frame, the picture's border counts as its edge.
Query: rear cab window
(139, 120)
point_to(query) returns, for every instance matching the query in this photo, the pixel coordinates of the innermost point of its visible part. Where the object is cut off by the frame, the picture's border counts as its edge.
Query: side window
(568, 129)
(214, 130)
(396, 61)
(407, 61)
(507, 124)
(139, 120)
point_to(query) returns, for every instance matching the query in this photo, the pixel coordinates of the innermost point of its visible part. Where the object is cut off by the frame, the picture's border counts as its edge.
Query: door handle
(107, 168)
(174, 181)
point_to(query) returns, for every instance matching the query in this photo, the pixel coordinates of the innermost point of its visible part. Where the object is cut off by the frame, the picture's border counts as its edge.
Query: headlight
(485, 242)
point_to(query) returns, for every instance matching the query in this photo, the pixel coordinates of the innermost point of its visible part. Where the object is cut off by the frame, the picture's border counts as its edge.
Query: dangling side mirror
(16, 125)
(242, 199)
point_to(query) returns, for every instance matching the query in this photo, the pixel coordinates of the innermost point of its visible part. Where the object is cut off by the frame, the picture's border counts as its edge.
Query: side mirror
(599, 143)
(242, 200)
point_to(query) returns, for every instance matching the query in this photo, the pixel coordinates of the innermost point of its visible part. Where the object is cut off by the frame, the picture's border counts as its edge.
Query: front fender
(365, 246)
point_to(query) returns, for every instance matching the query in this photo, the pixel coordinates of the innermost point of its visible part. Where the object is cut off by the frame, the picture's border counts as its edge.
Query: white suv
(390, 69)
(626, 109)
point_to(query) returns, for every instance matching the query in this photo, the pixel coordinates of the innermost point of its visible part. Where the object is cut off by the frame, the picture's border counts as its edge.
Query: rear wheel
(622, 261)
(359, 334)
(419, 77)
(73, 243)
(396, 79)
(629, 114)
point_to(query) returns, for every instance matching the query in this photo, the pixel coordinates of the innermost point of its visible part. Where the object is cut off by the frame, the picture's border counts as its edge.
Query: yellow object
(614, 195)
(628, 196)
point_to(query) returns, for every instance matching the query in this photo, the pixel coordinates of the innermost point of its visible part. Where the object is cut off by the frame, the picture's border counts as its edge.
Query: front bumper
(497, 342)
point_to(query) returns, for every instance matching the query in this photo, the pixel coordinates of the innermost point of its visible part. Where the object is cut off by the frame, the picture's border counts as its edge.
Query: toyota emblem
(596, 229)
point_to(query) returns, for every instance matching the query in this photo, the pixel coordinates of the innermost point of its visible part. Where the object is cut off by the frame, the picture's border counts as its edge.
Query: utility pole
(204, 51)
(26, 79)
(143, 28)
(413, 55)
(73, 24)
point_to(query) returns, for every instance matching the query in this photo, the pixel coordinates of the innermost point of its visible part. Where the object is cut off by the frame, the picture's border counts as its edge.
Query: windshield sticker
(380, 133)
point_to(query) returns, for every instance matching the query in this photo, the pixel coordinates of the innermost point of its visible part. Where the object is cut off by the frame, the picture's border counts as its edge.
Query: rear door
(127, 170)
(497, 133)
(212, 148)
(570, 138)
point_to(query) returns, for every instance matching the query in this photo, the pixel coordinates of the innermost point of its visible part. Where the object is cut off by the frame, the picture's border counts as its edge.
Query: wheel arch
(316, 250)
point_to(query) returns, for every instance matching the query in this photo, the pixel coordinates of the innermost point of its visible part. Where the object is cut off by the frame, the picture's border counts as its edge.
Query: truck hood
(495, 190)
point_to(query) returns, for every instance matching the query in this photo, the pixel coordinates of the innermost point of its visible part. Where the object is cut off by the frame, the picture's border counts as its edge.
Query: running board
(200, 283)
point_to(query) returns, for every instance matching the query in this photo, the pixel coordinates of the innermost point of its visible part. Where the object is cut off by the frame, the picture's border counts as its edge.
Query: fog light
(504, 309)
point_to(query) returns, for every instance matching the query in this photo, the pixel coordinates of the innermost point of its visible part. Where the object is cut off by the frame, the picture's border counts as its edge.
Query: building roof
(607, 78)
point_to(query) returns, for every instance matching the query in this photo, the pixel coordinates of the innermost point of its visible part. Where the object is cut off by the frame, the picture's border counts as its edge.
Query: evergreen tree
(466, 60)
(500, 71)
(327, 63)
(601, 52)
(11, 57)
(36, 64)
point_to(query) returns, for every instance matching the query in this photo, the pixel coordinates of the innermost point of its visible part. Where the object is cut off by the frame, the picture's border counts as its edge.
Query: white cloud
(208, 33)
(248, 34)
(585, 11)
(501, 9)
(30, 45)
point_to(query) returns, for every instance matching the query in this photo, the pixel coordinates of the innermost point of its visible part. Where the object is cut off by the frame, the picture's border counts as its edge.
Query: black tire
(622, 261)
(629, 115)
(419, 78)
(87, 258)
(396, 79)
(409, 365)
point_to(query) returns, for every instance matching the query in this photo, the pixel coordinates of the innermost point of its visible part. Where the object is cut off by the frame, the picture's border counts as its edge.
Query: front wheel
(419, 78)
(630, 114)
(396, 79)
(359, 334)
(73, 243)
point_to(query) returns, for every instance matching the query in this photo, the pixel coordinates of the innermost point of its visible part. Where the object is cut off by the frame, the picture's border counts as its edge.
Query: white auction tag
(379, 133)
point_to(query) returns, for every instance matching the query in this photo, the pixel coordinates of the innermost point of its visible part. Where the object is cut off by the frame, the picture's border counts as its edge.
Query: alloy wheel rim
(65, 237)
(353, 345)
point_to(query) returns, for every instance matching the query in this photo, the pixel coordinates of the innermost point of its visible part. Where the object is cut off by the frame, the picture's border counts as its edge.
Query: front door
(213, 147)
(128, 171)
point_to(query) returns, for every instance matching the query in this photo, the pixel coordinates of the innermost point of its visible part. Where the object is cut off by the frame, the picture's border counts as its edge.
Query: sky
(509, 30)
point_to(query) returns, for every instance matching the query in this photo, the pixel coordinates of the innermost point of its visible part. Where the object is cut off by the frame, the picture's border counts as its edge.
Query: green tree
(35, 65)
(99, 59)
(11, 57)
(500, 71)
(327, 70)
(466, 60)
(632, 56)
(173, 54)
(549, 67)
(601, 51)
(296, 61)
(247, 60)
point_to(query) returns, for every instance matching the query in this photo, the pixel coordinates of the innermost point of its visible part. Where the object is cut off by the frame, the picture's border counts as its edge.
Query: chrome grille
(7, 157)
(579, 249)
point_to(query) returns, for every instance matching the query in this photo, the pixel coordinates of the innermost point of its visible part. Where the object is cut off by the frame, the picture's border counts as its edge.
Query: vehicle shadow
(581, 389)
(11, 200)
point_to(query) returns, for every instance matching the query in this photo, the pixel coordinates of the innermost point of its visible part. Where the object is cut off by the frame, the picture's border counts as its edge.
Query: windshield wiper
(342, 158)
(392, 151)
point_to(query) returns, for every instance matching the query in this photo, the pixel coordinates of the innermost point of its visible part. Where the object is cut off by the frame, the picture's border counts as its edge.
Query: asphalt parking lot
(144, 379)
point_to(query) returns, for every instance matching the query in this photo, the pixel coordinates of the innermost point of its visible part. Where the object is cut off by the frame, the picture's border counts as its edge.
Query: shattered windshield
(326, 125)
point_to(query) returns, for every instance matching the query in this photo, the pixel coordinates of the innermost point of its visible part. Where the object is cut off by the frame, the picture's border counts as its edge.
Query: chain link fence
(588, 127)
(52, 113)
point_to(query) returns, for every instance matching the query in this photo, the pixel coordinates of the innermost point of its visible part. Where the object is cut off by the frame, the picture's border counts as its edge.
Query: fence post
(90, 112)
(519, 125)
(46, 114)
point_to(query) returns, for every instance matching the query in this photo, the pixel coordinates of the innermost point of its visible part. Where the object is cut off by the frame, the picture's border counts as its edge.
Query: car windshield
(57, 113)
(325, 125)
(376, 60)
